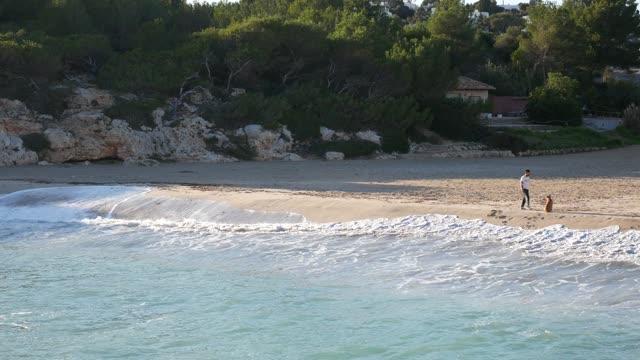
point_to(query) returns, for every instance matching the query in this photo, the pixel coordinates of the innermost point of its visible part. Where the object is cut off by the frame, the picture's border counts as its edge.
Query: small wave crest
(64, 204)
(72, 204)
(211, 221)
(602, 245)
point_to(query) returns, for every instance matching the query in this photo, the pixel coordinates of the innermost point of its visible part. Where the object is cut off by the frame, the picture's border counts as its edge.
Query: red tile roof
(465, 83)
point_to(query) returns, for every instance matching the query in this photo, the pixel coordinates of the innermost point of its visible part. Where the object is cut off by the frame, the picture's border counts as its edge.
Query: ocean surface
(111, 272)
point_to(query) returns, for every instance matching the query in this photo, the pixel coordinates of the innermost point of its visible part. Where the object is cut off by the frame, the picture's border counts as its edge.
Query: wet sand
(591, 190)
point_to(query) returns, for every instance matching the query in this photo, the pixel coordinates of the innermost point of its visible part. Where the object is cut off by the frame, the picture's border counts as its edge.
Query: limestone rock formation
(91, 135)
(88, 98)
(12, 152)
(62, 145)
(269, 144)
(333, 155)
(17, 119)
(369, 135)
(326, 134)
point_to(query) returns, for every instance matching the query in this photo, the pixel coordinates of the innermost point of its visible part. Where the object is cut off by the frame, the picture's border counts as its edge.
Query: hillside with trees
(342, 64)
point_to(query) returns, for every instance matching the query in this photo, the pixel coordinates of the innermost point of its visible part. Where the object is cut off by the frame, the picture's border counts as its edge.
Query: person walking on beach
(524, 186)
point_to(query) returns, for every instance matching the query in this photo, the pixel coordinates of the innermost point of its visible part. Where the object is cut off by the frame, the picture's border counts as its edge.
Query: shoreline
(590, 190)
(331, 207)
(341, 207)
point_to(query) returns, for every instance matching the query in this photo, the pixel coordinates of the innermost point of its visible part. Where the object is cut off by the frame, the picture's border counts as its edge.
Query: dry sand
(591, 190)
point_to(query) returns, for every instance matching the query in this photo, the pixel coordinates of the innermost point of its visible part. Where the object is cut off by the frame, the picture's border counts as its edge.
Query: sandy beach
(591, 190)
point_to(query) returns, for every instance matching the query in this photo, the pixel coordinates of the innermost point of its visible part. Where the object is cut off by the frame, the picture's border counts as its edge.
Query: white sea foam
(209, 223)
(603, 245)
(549, 267)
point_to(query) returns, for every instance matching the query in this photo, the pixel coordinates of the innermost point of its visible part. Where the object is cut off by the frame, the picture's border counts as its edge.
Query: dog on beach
(548, 206)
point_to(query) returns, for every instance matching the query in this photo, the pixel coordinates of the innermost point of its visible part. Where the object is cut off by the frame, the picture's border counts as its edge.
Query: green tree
(376, 35)
(451, 22)
(563, 85)
(66, 17)
(507, 43)
(556, 102)
(609, 26)
(20, 12)
(450, 25)
(499, 23)
(485, 5)
(426, 66)
(554, 42)
(28, 57)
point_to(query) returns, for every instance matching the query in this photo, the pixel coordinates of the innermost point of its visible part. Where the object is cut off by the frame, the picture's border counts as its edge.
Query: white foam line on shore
(603, 245)
(127, 199)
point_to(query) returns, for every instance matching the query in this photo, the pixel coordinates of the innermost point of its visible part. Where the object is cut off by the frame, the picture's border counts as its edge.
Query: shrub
(508, 141)
(137, 113)
(311, 108)
(549, 106)
(240, 148)
(49, 100)
(631, 117)
(395, 140)
(257, 109)
(431, 137)
(457, 118)
(568, 137)
(35, 142)
(401, 113)
(38, 95)
(251, 108)
(82, 52)
(350, 148)
(627, 135)
(563, 85)
(27, 57)
(556, 102)
(613, 96)
(152, 71)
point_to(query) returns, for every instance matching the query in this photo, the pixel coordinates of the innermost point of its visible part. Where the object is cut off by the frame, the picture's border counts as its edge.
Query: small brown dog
(548, 206)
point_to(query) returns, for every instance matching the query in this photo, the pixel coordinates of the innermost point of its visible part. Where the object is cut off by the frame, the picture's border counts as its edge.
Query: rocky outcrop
(91, 135)
(12, 152)
(17, 119)
(199, 95)
(269, 144)
(185, 142)
(88, 98)
(333, 155)
(326, 134)
(62, 145)
(331, 135)
(369, 135)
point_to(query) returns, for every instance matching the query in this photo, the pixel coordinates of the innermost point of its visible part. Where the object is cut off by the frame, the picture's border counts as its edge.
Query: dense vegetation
(345, 64)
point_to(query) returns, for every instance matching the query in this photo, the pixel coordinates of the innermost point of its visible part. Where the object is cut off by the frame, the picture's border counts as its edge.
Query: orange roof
(465, 83)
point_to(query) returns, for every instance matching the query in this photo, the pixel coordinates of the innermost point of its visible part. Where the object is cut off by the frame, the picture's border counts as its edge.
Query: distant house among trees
(470, 89)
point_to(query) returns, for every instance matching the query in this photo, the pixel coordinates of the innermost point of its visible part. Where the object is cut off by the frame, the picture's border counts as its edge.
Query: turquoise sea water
(114, 273)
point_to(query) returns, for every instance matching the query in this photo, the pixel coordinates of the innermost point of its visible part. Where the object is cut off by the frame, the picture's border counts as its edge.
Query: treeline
(339, 63)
